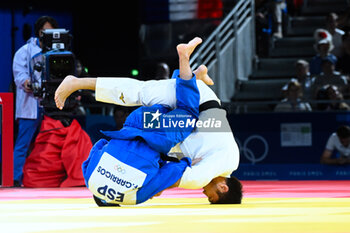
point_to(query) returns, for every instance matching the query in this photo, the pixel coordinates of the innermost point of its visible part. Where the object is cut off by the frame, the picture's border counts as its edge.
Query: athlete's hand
(342, 161)
(157, 195)
(196, 160)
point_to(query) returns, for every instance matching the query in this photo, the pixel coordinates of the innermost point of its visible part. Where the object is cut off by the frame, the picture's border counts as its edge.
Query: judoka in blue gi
(128, 169)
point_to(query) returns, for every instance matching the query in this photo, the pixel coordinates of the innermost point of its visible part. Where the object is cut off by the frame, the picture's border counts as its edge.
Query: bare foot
(187, 49)
(202, 74)
(64, 90)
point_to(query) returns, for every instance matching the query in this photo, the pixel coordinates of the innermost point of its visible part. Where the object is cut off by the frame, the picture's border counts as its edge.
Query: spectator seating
(297, 43)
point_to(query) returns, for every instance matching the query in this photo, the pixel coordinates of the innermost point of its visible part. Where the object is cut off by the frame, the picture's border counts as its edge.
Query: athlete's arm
(326, 158)
(171, 170)
(202, 173)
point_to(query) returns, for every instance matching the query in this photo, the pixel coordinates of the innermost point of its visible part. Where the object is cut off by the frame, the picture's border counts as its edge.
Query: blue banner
(0, 135)
(284, 138)
(292, 172)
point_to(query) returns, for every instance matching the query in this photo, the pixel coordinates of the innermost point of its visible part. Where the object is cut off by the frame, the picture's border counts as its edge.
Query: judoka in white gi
(213, 150)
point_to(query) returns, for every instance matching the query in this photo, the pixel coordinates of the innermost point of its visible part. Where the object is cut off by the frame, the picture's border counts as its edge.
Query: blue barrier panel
(280, 138)
(0, 135)
(292, 172)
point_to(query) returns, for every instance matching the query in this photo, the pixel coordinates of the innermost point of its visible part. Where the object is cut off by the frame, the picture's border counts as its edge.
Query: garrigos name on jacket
(115, 178)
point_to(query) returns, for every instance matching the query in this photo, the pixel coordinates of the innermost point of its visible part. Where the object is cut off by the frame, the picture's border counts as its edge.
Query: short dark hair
(41, 21)
(234, 193)
(346, 35)
(343, 131)
(102, 203)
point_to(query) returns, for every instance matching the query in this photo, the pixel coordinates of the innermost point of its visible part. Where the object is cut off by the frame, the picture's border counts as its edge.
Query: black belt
(204, 106)
(208, 105)
(165, 157)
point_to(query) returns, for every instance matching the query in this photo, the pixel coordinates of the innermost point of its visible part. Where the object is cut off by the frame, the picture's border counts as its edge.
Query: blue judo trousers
(128, 169)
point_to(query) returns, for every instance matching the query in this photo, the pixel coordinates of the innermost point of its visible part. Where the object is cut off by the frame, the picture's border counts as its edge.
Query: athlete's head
(343, 133)
(223, 190)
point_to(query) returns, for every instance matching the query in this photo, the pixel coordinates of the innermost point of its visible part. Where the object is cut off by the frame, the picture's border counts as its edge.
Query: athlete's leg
(187, 97)
(184, 52)
(119, 87)
(202, 74)
(71, 84)
(187, 93)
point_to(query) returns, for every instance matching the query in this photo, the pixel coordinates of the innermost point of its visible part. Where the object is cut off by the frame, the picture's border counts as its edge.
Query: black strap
(204, 106)
(208, 105)
(165, 157)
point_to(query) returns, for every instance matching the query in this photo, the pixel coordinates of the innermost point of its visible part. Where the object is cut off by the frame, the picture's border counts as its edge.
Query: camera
(57, 62)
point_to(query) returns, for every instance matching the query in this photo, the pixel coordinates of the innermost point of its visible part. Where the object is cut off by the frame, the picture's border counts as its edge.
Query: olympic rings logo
(249, 153)
(119, 169)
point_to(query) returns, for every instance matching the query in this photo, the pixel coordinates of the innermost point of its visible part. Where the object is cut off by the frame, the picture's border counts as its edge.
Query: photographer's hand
(27, 86)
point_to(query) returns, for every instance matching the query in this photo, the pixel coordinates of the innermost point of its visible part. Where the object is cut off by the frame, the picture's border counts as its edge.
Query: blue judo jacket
(128, 169)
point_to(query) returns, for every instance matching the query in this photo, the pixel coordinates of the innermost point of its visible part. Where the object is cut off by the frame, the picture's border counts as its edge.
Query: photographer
(28, 112)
